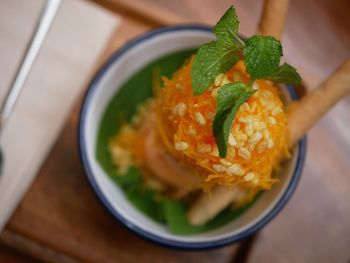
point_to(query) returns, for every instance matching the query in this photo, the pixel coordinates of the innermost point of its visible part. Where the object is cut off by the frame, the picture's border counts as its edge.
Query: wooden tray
(60, 218)
(64, 220)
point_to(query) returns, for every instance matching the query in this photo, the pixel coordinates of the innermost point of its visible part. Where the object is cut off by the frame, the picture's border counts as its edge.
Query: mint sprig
(230, 97)
(261, 54)
(212, 59)
(218, 56)
(285, 74)
(226, 28)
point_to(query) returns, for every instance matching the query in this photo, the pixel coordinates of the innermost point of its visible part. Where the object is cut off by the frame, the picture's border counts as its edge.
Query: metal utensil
(42, 27)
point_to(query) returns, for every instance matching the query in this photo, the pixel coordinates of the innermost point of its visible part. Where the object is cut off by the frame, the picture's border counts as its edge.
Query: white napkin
(66, 62)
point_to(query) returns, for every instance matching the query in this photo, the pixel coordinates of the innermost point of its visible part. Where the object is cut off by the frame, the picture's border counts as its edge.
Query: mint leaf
(146, 201)
(227, 27)
(286, 74)
(262, 56)
(218, 56)
(230, 97)
(228, 94)
(211, 59)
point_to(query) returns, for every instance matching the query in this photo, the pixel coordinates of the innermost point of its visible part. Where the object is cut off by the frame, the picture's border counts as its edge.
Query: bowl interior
(114, 74)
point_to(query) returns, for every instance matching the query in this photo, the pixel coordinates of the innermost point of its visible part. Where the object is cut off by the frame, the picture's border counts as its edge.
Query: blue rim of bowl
(136, 229)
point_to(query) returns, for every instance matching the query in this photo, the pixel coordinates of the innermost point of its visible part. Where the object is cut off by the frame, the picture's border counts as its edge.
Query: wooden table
(60, 218)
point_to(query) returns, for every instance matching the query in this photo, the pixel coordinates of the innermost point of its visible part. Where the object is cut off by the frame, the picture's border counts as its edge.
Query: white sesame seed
(192, 132)
(200, 119)
(231, 140)
(246, 119)
(236, 169)
(255, 138)
(181, 146)
(211, 115)
(249, 176)
(271, 120)
(224, 81)
(218, 79)
(255, 86)
(219, 168)
(249, 130)
(214, 93)
(225, 163)
(244, 153)
(259, 125)
(242, 137)
(251, 146)
(267, 94)
(245, 107)
(180, 109)
(270, 143)
(275, 111)
(204, 148)
(262, 147)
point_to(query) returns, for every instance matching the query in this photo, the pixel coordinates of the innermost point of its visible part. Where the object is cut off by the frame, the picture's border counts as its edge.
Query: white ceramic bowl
(121, 66)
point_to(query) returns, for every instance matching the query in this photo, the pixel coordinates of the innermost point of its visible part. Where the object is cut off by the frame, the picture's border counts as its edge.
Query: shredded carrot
(263, 114)
(175, 128)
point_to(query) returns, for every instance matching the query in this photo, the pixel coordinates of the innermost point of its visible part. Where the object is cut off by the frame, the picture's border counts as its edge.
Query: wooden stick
(305, 113)
(301, 118)
(208, 205)
(273, 18)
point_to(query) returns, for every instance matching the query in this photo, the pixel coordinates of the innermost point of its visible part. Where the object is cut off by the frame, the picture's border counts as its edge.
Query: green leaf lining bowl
(123, 82)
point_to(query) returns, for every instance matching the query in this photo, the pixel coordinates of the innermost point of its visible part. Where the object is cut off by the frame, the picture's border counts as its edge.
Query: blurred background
(51, 223)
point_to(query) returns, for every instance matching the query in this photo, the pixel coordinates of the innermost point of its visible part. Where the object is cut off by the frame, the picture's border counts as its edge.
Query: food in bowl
(197, 154)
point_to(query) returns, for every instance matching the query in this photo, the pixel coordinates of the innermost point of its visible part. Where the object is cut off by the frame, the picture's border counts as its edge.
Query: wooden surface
(61, 219)
(64, 64)
(10, 255)
(61, 211)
